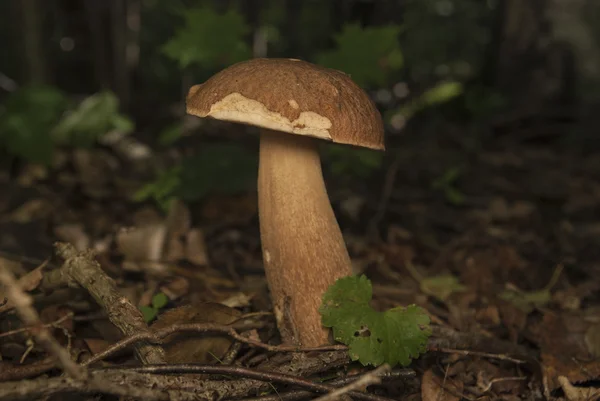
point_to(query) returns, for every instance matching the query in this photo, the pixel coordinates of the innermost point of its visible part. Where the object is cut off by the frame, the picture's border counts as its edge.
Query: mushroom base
(303, 248)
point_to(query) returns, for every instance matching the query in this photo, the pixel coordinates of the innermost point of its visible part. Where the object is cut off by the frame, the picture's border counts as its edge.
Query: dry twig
(30, 317)
(157, 336)
(372, 377)
(81, 269)
(265, 376)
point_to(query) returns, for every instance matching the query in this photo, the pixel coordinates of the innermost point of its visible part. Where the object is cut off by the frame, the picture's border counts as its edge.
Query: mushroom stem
(303, 248)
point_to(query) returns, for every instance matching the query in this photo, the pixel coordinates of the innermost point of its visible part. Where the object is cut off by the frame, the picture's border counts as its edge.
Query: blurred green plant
(35, 120)
(355, 162)
(483, 102)
(162, 190)
(170, 134)
(209, 39)
(369, 55)
(440, 93)
(447, 184)
(92, 118)
(26, 120)
(150, 312)
(216, 168)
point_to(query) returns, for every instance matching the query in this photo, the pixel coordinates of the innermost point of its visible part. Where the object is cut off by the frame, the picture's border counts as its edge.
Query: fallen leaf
(195, 248)
(561, 338)
(434, 388)
(28, 282)
(74, 234)
(192, 347)
(441, 286)
(578, 393)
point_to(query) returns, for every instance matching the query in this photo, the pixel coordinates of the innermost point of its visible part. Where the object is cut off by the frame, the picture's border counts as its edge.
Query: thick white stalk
(303, 248)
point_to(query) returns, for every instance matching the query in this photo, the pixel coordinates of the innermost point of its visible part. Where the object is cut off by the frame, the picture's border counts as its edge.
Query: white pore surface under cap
(236, 107)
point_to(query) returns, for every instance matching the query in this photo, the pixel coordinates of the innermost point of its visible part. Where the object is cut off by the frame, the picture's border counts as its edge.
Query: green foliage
(163, 189)
(395, 336)
(355, 162)
(209, 39)
(37, 119)
(440, 93)
(370, 55)
(527, 301)
(483, 102)
(441, 286)
(159, 301)
(170, 134)
(220, 168)
(25, 123)
(447, 184)
(94, 117)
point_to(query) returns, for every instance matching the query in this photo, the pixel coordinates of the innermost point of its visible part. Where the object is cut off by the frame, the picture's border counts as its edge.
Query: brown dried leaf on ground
(435, 388)
(573, 393)
(196, 347)
(28, 282)
(561, 338)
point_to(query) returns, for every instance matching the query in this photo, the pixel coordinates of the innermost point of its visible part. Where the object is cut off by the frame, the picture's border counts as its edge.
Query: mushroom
(302, 245)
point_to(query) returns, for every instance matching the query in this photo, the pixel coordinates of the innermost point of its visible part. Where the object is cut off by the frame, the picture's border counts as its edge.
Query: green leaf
(95, 116)
(344, 160)
(527, 301)
(221, 168)
(216, 168)
(441, 93)
(441, 286)
(159, 300)
(162, 189)
(28, 117)
(149, 313)
(209, 39)
(369, 55)
(395, 336)
(170, 134)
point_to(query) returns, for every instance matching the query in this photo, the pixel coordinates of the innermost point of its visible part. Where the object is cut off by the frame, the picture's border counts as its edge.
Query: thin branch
(117, 385)
(372, 377)
(47, 325)
(295, 395)
(249, 374)
(157, 336)
(82, 270)
(30, 317)
(173, 387)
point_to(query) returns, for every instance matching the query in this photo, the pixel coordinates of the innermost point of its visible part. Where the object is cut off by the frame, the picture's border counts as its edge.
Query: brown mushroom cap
(291, 96)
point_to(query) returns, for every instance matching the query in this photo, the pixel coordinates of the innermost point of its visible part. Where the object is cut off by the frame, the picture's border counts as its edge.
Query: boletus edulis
(296, 104)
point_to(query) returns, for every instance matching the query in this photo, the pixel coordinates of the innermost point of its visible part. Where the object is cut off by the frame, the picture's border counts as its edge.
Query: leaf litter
(500, 330)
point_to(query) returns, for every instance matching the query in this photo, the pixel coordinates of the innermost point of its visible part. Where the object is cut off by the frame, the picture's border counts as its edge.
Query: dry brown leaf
(434, 388)
(74, 234)
(196, 347)
(28, 282)
(578, 393)
(561, 338)
(195, 248)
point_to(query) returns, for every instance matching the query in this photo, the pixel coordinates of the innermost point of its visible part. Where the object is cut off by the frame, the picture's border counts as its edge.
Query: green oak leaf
(395, 336)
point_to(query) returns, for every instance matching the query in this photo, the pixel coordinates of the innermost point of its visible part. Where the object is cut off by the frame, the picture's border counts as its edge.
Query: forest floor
(500, 246)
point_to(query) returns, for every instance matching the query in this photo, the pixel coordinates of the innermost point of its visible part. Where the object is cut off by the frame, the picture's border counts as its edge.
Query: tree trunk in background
(29, 13)
(572, 24)
(95, 13)
(518, 59)
(118, 28)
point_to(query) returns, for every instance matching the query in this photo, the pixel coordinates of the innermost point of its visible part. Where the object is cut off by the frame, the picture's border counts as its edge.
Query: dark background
(484, 209)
